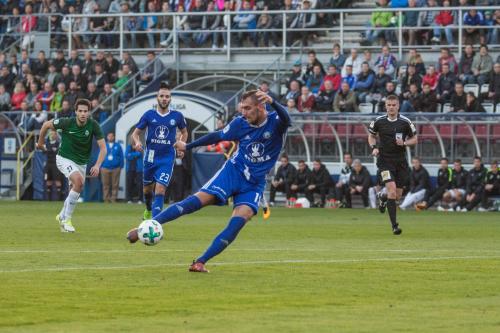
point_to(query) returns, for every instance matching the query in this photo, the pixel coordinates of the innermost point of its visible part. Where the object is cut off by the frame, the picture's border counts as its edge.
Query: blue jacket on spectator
(399, 3)
(478, 19)
(338, 62)
(351, 80)
(364, 82)
(135, 157)
(146, 21)
(114, 157)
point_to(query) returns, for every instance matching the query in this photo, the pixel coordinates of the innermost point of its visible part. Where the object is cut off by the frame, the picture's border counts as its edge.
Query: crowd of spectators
(50, 87)
(428, 27)
(455, 190)
(154, 31)
(421, 87)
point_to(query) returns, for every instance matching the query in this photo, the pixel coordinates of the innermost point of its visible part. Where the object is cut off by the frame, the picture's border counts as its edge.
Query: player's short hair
(311, 52)
(164, 85)
(301, 161)
(284, 156)
(348, 153)
(250, 94)
(416, 158)
(458, 161)
(317, 160)
(445, 159)
(478, 158)
(85, 102)
(392, 98)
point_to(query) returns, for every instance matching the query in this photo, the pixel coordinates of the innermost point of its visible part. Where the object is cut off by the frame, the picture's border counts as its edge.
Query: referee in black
(395, 133)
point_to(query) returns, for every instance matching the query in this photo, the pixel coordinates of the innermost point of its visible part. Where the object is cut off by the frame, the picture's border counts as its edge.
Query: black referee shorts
(394, 171)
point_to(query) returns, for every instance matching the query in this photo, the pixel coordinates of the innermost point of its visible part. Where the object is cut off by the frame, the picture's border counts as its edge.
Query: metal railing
(123, 39)
(454, 135)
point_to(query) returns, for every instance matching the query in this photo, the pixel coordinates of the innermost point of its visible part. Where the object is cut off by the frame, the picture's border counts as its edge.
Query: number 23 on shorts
(164, 177)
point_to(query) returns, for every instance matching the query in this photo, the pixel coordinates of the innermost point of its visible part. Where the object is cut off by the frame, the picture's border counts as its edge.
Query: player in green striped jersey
(74, 153)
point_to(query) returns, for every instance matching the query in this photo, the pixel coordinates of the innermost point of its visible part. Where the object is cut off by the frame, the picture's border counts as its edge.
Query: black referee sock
(391, 209)
(148, 198)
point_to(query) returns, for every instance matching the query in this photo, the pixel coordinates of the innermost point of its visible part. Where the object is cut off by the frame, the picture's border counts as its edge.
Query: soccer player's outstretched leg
(74, 153)
(160, 154)
(260, 135)
(395, 132)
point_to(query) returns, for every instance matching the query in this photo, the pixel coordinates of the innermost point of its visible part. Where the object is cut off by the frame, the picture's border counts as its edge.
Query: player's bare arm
(94, 171)
(183, 138)
(372, 141)
(43, 133)
(137, 140)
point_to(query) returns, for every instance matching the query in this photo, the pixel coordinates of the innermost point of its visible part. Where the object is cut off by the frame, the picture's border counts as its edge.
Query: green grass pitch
(310, 270)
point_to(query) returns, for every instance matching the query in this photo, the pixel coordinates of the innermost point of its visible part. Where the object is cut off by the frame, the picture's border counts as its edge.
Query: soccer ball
(150, 232)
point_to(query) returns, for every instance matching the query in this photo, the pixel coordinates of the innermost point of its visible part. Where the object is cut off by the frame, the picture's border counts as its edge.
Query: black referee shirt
(390, 130)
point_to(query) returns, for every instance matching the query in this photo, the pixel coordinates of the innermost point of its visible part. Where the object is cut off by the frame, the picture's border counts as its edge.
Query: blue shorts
(229, 181)
(159, 172)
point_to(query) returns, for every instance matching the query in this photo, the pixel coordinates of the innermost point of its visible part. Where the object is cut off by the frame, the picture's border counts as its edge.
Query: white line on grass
(259, 262)
(34, 251)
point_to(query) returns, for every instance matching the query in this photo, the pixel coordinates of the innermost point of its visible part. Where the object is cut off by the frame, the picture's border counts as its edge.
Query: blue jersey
(161, 133)
(259, 147)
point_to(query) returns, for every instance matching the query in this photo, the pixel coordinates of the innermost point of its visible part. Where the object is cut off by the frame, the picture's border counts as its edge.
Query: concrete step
(327, 46)
(336, 34)
(358, 21)
(364, 4)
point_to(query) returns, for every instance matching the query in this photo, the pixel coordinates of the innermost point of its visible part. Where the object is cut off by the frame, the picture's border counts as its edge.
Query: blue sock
(226, 237)
(158, 204)
(187, 206)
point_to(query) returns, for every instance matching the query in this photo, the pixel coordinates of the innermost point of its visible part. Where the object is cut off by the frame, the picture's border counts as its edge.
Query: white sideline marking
(260, 262)
(244, 250)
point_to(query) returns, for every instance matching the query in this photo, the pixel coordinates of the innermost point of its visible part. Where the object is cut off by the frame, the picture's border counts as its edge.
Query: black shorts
(52, 173)
(394, 171)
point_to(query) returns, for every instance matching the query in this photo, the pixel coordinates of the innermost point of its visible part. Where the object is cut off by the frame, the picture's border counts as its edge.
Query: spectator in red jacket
(431, 78)
(306, 100)
(18, 96)
(28, 24)
(334, 77)
(443, 20)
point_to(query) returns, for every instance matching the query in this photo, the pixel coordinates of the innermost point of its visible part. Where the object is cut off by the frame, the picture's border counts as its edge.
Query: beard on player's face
(82, 116)
(163, 104)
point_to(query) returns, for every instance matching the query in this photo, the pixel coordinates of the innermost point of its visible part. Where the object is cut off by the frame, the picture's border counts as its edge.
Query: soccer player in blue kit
(260, 135)
(161, 126)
